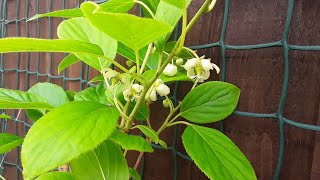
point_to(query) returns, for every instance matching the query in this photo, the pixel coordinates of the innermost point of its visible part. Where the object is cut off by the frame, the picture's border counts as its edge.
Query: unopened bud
(179, 62)
(166, 103)
(129, 63)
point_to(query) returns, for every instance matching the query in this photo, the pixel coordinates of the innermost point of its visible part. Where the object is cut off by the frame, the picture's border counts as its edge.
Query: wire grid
(278, 115)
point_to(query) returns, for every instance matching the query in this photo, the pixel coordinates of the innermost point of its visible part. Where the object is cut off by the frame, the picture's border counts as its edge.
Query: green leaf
(8, 45)
(152, 4)
(115, 6)
(57, 176)
(34, 115)
(9, 142)
(215, 154)
(14, 99)
(67, 13)
(150, 133)
(143, 112)
(210, 102)
(131, 142)
(4, 116)
(126, 28)
(64, 133)
(54, 94)
(104, 162)
(97, 79)
(134, 174)
(180, 76)
(71, 95)
(82, 30)
(92, 94)
(169, 11)
(163, 144)
(67, 61)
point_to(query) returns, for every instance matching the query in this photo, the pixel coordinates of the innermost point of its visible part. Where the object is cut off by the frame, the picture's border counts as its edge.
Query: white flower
(170, 70)
(157, 88)
(199, 68)
(133, 93)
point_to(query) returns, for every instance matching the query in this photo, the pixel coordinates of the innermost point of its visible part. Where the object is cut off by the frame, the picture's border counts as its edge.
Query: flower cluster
(133, 93)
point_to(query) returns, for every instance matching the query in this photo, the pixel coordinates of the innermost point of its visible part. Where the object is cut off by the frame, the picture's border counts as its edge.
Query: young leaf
(134, 174)
(97, 79)
(58, 176)
(210, 102)
(115, 6)
(54, 94)
(104, 162)
(82, 30)
(14, 99)
(131, 142)
(169, 11)
(126, 28)
(4, 116)
(67, 61)
(215, 154)
(64, 133)
(163, 144)
(71, 95)
(9, 142)
(150, 133)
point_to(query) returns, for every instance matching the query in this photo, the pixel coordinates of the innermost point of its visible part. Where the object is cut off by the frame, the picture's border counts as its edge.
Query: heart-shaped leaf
(64, 133)
(215, 154)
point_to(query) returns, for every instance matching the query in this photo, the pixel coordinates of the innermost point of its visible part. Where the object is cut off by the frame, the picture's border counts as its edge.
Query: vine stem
(146, 58)
(138, 161)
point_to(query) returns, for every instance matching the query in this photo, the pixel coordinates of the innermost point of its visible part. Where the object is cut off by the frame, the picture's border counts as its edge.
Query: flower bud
(129, 63)
(163, 90)
(170, 70)
(166, 103)
(179, 62)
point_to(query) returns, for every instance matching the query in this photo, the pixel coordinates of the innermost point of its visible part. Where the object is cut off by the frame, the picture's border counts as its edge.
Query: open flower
(170, 70)
(157, 88)
(199, 68)
(133, 93)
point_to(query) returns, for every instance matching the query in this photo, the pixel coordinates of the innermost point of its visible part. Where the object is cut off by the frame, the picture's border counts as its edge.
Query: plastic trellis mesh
(278, 115)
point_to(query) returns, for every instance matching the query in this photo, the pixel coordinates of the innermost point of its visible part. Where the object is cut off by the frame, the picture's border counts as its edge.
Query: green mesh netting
(83, 79)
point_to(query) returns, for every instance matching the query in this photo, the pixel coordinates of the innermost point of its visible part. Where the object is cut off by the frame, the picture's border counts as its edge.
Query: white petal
(137, 87)
(170, 70)
(191, 73)
(153, 95)
(158, 82)
(191, 63)
(163, 90)
(206, 64)
(216, 68)
(126, 94)
(205, 75)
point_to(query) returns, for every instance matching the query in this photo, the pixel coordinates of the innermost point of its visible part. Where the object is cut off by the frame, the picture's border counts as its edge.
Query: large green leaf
(152, 4)
(149, 132)
(58, 176)
(9, 142)
(64, 133)
(14, 99)
(169, 11)
(8, 45)
(132, 31)
(215, 154)
(115, 6)
(82, 30)
(54, 94)
(131, 142)
(210, 102)
(92, 94)
(67, 61)
(104, 162)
